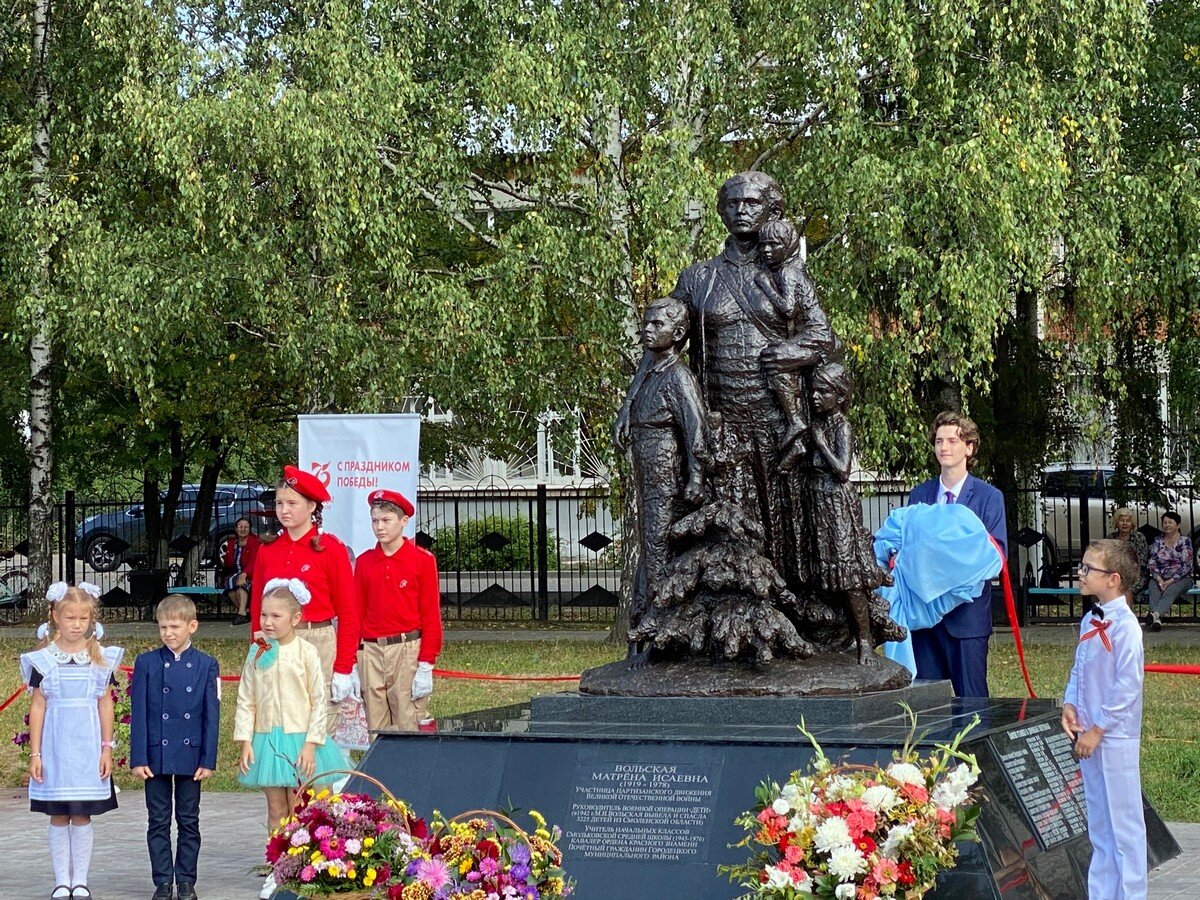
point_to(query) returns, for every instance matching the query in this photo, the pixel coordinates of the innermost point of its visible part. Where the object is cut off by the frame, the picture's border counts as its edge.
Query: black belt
(414, 635)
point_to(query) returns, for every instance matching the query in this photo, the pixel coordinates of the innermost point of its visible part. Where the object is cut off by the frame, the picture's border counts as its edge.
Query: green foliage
(468, 552)
(270, 208)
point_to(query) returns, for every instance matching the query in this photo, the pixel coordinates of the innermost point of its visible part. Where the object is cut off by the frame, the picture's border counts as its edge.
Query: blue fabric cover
(943, 557)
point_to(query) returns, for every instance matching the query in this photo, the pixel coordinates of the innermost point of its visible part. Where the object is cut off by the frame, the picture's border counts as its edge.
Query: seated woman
(1123, 530)
(1170, 568)
(237, 562)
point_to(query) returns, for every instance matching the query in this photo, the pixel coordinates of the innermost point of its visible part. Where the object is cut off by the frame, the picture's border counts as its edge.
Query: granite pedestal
(646, 789)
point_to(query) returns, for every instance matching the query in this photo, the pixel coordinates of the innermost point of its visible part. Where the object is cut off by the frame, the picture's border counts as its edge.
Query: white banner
(354, 455)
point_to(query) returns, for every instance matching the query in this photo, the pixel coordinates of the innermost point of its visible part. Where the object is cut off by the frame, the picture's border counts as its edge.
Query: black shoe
(240, 620)
(1156, 625)
(186, 891)
(164, 892)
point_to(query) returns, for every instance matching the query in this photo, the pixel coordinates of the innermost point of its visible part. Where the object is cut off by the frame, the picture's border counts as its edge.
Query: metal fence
(553, 554)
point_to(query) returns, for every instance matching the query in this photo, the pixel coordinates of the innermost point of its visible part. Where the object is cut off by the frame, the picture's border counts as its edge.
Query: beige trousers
(386, 674)
(325, 640)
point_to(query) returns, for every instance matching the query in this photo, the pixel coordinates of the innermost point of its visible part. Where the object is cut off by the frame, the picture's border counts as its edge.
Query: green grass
(451, 696)
(1171, 728)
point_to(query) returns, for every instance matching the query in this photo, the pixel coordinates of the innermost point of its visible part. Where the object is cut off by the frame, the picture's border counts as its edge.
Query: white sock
(60, 853)
(81, 853)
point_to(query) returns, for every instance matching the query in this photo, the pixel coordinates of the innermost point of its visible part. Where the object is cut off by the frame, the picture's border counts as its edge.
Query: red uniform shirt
(330, 581)
(399, 593)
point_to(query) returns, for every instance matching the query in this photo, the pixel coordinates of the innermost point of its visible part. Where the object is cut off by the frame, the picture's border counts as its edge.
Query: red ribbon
(9, 702)
(1011, 608)
(1101, 628)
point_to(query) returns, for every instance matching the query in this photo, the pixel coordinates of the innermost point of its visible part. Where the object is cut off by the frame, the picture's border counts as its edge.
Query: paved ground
(233, 839)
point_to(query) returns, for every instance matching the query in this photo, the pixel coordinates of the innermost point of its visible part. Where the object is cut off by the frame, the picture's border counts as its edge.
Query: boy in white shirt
(1102, 714)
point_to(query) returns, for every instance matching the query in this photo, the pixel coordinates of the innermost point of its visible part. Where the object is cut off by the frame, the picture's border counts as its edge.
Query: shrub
(518, 554)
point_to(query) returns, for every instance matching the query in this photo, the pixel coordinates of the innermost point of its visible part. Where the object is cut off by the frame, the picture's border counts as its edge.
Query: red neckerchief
(1099, 627)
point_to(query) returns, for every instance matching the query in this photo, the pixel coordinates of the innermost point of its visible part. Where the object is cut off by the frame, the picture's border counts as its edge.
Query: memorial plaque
(630, 809)
(1040, 764)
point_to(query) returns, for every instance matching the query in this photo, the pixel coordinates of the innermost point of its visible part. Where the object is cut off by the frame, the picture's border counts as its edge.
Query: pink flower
(860, 822)
(322, 832)
(885, 871)
(433, 872)
(308, 873)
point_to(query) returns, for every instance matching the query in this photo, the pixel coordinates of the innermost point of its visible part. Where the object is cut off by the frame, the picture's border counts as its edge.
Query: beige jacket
(289, 694)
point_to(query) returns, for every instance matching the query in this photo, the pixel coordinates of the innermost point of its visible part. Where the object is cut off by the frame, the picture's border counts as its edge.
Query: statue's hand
(788, 356)
(621, 433)
(693, 491)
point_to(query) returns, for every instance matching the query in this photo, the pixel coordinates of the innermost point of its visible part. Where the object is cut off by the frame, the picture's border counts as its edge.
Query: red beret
(305, 484)
(391, 497)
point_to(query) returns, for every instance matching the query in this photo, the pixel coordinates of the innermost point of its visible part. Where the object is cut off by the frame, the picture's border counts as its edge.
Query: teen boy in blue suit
(957, 647)
(175, 715)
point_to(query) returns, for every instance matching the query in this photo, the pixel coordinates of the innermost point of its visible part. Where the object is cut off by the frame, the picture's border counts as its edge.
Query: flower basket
(357, 847)
(860, 832)
(342, 845)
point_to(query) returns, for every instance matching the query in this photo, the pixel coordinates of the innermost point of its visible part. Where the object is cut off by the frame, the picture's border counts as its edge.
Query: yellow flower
(367, 842)
(465, 866)
(352, 874)
(554, 885)
(316, 857)
(538, 818)
(295, 851)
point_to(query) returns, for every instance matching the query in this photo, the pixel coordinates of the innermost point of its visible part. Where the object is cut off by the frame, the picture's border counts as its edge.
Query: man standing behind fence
(957, 647)
(401, 619)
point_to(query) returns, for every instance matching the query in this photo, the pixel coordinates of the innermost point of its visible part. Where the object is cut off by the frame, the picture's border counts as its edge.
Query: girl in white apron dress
(71, 731)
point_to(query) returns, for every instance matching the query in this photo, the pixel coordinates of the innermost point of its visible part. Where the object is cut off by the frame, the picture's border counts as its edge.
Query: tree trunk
(630, 541)
(41, 389)
(202, 517)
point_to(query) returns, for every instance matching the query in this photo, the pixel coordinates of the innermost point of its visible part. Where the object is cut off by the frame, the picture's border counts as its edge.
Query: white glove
(355, 686)
(342, 687)
(423, 681)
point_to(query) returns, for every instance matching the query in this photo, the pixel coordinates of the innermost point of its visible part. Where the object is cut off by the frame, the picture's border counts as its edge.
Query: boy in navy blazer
(957, 647)
(176, 713)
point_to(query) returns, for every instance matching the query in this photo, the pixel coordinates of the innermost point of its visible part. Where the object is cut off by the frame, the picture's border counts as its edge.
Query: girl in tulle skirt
(282, 706)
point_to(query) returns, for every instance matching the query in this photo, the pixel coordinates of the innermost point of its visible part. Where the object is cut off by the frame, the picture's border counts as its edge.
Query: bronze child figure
(662, 422)
(789, 289)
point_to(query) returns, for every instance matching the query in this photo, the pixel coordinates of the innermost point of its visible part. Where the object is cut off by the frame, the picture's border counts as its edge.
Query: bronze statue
(662, 421)
(753, 546)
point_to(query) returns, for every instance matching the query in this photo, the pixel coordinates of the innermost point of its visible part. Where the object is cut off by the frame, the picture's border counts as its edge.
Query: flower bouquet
(354, 846)
(344, 844)
(860, 832)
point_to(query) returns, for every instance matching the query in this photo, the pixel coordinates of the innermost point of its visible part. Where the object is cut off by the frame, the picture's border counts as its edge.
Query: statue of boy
(662, 422)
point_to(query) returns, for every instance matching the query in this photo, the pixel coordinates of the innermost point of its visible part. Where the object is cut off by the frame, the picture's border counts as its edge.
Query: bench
(1069, 596)
(202, 594)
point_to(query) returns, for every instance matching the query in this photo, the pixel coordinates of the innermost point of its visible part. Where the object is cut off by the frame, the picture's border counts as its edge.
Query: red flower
(394, 891)
(417, 828)
(865, 844)
(276, 847)
(487, 848)
(905, 874)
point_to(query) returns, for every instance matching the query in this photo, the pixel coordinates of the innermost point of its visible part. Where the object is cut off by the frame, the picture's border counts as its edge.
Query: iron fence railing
(553, 554)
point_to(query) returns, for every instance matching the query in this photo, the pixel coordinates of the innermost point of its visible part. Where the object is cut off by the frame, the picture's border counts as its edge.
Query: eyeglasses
(1086, 568)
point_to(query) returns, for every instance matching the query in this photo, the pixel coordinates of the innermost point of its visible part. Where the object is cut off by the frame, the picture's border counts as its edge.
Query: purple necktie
(949, 496)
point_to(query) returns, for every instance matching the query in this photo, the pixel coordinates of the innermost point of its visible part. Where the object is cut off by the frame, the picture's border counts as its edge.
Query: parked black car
(94, 537)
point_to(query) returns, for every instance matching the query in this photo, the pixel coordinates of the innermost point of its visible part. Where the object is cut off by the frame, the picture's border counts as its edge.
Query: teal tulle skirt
(275, 756)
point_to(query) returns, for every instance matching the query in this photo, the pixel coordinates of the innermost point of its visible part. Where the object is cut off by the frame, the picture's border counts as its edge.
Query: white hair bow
(56, 592)
(90, 589)
(293, 586)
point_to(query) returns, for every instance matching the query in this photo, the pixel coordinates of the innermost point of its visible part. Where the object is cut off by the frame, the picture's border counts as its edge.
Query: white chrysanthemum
(906, 773)
(839, 787)
(896, 837)
(353, 845)
(795, 797)
(300, 837)
(879, 798)
(846, 862)
(777, 878)
(832, 833)
(781, 807)
(845, 892)
(801, 820)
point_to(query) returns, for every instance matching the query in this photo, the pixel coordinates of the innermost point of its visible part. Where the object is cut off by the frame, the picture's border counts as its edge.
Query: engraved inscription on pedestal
(1039, 764)
(660, 812)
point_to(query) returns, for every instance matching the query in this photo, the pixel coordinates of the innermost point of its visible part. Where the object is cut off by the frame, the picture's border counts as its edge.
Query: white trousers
(1112, 785)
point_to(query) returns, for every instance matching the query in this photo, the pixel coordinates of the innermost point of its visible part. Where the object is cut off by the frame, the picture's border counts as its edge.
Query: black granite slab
(648, 806)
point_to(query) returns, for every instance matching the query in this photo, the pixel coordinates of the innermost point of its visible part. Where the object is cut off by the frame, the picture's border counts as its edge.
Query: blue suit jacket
(176, 713)
(971, 620)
